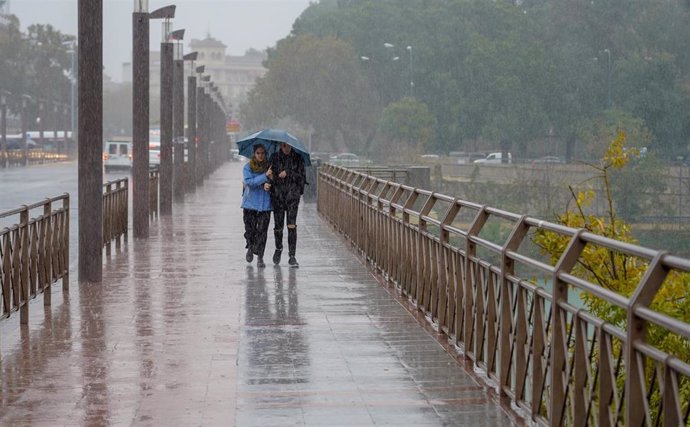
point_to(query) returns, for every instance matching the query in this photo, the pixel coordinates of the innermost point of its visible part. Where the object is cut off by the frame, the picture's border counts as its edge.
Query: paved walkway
(184, 332)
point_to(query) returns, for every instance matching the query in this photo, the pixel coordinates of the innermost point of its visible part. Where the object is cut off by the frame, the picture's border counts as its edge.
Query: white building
(233, 75)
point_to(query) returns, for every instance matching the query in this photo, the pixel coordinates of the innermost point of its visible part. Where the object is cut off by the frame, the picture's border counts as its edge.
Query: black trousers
(280, 211)
(256, 230)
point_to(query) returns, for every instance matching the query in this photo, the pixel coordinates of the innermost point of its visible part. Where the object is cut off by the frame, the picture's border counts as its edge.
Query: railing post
(470, 251)
(508, 268)
(65, 243)
(559, 326)
(637, 332)
(24, 282)
(446, 266)
(47, 253)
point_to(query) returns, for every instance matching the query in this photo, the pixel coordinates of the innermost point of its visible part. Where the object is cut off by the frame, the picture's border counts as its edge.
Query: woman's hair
(257, 146)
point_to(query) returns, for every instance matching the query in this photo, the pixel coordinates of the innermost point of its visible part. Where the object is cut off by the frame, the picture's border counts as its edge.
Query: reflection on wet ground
(184, 332)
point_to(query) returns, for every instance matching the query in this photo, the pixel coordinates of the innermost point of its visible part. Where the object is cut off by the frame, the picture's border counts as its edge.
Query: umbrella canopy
(271, 139)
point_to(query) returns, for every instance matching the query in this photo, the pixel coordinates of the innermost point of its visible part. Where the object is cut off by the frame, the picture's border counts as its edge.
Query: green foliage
(513, 72)
(618, 272)
(35, 63)
(407, 127)
(317, 82)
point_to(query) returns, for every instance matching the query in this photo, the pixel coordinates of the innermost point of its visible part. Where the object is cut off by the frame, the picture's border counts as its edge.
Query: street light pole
(3, 130)
(409, 49)
(166, 119)
(90, 163)
(608, 80)
(178, 113)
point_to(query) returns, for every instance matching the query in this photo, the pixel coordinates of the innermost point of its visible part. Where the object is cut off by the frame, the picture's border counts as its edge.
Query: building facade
(233, 75)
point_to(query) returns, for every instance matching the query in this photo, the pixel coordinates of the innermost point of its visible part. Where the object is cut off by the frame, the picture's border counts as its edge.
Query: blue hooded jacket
(253, 195)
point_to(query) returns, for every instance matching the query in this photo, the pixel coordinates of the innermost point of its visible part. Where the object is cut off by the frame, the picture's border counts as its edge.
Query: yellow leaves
(585, 198)
(617, 155)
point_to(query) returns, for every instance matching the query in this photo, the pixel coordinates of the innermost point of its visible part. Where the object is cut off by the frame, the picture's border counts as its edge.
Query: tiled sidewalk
(184, 332)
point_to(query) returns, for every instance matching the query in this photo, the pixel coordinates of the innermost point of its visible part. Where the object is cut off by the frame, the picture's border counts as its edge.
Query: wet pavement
(184, 332)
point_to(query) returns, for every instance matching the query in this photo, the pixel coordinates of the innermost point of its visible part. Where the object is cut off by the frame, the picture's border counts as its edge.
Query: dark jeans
(280, 211)
(256, 230)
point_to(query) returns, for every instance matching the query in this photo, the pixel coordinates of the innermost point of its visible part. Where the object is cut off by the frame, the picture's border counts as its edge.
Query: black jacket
(290, 188)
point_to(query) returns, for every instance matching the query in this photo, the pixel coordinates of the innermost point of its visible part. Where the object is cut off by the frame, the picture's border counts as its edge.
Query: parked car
(345, 159)
(548, 159)
(154, 154)
(495, 158)
(117, 155)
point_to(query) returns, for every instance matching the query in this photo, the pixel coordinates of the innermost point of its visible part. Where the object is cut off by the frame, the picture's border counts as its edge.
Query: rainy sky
(240, 24)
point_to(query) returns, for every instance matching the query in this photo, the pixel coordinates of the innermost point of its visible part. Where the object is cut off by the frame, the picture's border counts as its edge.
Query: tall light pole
(3, 129)
(90, 163)
(191, 121)
(178, 113)
(409, 49)
(166, 119)
(140, 111)
(609, 102)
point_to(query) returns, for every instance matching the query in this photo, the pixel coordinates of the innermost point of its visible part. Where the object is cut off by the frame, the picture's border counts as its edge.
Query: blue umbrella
(271, 139)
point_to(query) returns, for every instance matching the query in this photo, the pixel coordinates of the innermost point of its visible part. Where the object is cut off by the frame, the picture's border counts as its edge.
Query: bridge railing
(34, 254)
(115, 212)
(477, 274)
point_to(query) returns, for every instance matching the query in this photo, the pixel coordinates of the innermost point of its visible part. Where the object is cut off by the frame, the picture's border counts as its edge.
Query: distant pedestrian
(287, 189)
(256, 204)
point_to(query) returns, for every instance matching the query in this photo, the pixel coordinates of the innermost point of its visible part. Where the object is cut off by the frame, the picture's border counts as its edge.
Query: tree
(319, 83)
(619, 272)
(407, 129)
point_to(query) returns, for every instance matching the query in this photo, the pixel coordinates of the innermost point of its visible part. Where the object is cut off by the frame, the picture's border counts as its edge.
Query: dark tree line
(536, 76)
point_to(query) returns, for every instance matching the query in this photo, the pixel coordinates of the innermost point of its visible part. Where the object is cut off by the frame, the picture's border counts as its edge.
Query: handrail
(34, 254)
(553, 359)
(115, 212)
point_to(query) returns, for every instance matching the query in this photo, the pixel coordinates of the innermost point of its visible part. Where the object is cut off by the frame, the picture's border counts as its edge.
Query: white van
(495, 158)
(117, 155)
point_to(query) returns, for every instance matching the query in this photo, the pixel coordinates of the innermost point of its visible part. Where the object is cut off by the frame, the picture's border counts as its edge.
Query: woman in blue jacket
(256, 203)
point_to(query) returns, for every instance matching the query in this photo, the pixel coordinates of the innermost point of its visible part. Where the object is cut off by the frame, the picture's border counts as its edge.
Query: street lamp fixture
(141, 6)
(409, 49)
(608, 79)
(388, 45)
(364, 58)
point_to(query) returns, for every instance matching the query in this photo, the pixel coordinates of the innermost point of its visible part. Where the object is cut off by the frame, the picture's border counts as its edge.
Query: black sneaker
(260, 262)
(276, 256)
(250, 255)
(293, 262)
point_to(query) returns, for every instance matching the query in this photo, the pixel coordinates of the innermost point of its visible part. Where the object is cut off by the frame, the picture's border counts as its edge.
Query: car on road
(547, 160)
(344, 159)
(117, 155)
(495, 158)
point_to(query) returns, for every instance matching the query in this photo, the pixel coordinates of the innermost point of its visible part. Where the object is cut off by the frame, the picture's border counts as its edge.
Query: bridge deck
(184, 332)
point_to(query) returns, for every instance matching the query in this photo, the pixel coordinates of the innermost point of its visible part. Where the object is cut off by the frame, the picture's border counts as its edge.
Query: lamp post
(25, 122)
(200, 124)
(3, 129)
(90, 163)
(191, 121)
(608, 80)
(140, 111)
(409, 49)
(73, 89)
(396, 58)
(166, 118)
(178, 113)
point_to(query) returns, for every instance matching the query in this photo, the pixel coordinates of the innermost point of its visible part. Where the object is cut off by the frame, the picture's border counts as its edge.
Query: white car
(495, 158)
(117, 155)
(344, 159)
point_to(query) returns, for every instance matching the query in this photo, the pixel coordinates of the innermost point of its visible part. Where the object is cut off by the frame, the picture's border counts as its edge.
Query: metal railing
(34, 254)
(33, 156)
(115, 212)
(474, 272)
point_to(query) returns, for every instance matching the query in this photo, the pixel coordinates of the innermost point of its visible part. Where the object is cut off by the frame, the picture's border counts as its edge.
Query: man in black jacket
(287, 187)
